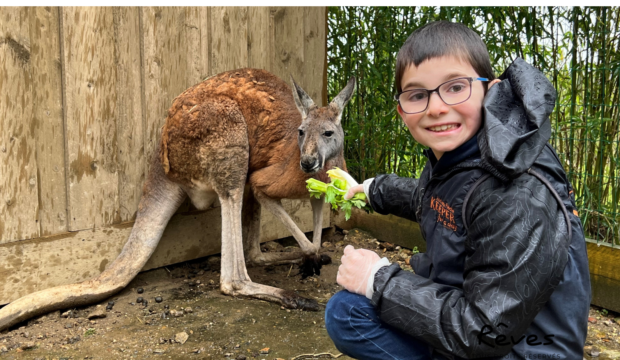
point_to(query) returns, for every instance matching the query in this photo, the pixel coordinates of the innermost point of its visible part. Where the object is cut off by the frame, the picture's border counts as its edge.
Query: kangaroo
(242, 131)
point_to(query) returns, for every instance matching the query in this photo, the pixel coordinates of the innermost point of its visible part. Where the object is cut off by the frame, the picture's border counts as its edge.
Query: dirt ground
(195, 321)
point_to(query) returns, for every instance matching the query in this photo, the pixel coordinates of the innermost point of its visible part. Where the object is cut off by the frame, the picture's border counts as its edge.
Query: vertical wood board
(91, 118)
(229, 34)
(48, 115)
(314, 50)
(130, 127)
(288, 44)
(259, 38)
(18, 169)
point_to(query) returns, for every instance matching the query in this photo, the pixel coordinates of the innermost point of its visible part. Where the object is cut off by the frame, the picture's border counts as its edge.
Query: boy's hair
(441, 38)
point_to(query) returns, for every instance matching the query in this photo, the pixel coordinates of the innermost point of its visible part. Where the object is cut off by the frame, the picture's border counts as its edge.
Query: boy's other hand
(354, 272)
(354, 190)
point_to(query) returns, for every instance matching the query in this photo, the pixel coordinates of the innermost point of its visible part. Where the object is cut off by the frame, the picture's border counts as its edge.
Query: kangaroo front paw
(312, 264)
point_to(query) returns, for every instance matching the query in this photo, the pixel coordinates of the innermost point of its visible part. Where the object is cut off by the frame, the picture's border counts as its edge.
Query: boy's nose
(436, 106)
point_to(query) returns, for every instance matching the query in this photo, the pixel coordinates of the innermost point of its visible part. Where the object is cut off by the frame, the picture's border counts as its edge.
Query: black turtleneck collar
(451, 158)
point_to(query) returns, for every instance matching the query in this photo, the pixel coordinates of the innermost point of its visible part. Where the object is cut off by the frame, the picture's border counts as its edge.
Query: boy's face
(462, 120)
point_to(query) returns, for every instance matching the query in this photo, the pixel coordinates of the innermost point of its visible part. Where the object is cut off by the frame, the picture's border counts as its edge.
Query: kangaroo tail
(160, 199)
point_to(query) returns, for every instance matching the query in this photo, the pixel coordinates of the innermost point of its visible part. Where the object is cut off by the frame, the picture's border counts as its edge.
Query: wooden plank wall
(84, 93)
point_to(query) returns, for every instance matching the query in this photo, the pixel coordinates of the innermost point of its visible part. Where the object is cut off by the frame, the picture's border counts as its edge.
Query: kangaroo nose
(309, 164)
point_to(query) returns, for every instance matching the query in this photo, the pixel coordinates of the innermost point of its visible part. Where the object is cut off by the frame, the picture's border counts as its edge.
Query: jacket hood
(516, 120)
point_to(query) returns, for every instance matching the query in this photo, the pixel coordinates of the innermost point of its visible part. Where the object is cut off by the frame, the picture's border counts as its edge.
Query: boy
(505, 275)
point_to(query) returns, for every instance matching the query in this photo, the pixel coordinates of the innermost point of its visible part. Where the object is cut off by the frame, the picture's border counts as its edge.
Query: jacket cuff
(371, 279)
(381, 279)
(366, 184)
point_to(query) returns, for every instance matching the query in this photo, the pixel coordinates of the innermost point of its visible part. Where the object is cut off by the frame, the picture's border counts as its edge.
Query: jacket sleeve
(391, 194)
(516, 251)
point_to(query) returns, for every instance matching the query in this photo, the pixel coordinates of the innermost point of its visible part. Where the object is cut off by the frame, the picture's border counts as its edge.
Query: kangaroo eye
(328, 133)
(301, 132)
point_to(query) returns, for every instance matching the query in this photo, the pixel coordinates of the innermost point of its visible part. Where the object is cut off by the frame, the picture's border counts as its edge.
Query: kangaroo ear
(302, 99)
(341, 100)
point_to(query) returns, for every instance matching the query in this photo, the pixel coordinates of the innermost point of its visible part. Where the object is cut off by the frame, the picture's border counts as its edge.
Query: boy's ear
(400, 111)
(493, 83)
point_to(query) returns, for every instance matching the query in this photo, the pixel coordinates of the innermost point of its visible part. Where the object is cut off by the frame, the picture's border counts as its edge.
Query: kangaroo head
(320, 134)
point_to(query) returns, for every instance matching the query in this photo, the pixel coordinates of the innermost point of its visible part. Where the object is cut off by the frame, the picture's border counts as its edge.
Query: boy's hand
(355, 269)
(354, 190)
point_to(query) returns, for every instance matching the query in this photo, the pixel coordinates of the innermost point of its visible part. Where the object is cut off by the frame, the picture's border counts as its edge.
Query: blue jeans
(356, 330)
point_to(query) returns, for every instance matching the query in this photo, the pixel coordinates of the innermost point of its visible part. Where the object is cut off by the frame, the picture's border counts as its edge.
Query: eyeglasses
(451, 92)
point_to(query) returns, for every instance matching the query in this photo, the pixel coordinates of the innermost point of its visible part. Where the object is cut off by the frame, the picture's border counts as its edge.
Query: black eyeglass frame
(436, 90)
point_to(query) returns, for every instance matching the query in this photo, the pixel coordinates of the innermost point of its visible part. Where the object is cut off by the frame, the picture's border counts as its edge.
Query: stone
(181, 337)
(99, 312)
(66, 314)
(592, 320)
(28, 346)
(188, 310)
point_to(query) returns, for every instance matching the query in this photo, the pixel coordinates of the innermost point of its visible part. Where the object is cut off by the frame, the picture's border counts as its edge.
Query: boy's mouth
(442, 128)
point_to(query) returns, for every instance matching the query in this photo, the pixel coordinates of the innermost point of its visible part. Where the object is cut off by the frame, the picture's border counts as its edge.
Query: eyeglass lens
(452, 92)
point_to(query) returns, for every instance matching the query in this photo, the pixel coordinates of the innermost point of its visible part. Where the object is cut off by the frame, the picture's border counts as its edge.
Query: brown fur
(216, 109)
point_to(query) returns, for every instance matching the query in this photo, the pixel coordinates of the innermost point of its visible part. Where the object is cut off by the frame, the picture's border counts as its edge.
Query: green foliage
(577, 48)
(90, 332)
(334, 194)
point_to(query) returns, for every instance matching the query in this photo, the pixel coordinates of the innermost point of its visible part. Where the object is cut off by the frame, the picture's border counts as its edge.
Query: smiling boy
(505, 274)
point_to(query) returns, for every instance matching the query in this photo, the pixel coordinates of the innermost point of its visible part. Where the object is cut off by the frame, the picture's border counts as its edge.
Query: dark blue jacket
(511, 284)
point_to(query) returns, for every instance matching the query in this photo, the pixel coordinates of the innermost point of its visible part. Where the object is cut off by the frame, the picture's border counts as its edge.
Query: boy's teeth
(442, 128)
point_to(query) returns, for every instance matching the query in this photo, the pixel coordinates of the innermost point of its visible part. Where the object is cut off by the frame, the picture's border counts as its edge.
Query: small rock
(211, 282)
(264, 351)
(592, 320)
(196, 351)
(228, 354)
(340, 244)
(166, 306)
(181, 337)
(68, 326)
(66, 314)
(99, 312)
(327, 244)
(240, 357)
(387, 246)
(200, 273)
(140, 290)
(158, 299)
(28, 346)
(3, 349)
(176, 313)
(158, 351)
(607, 323)
(197, 282)
(592, 351)
(188, 310)
(345, 232)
